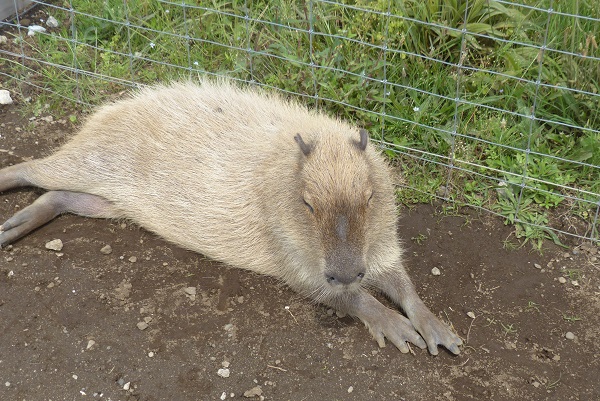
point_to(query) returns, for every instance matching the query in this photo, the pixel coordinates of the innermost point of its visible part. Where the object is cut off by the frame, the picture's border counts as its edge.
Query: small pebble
(471, 315)
(223, 372)
(126, 386)
(190, 290)
(151, 354)
(5, 97)
(435, 271)
(52, 22)
(106, 250)
(133, 259)
(33, 29)
(225, 364)
(54, 245)
(562, 280)
(537, 265)
(90, 344)
(350, 389)
(536, 384)
(223, 396)
(142, 325)
(575, 283)
(569, 336)
(253, 392)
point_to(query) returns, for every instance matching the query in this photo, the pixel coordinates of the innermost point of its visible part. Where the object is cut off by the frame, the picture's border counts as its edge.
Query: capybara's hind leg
(50, 205)
(13, 176)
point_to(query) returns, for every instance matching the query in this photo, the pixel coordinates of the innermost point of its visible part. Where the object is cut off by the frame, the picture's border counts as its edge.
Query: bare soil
(80, 324)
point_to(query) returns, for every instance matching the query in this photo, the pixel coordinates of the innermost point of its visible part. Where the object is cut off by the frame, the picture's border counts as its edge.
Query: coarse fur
(247, 178)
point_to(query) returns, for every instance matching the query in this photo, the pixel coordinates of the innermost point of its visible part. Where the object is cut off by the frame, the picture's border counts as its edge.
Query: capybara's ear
(364, 139)
(306, 149)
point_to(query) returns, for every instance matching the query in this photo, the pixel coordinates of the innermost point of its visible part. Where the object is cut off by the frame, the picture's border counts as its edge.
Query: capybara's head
(339, 198)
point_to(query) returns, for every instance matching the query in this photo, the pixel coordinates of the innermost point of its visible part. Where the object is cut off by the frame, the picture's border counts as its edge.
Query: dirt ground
(150, 321)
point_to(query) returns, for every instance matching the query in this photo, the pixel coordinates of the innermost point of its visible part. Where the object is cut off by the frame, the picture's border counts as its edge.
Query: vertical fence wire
(532, 111)
(384, 57)
(129, 51)
(312, 64)
(457, 99)
(73, 49)
(187, 38)
(594, 229)
(20, 30)
(249, 49)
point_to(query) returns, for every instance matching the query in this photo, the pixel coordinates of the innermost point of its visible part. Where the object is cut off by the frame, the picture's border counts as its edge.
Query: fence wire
(488, 103)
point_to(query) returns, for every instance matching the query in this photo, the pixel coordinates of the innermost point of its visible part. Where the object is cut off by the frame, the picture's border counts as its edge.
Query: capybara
(247, 178)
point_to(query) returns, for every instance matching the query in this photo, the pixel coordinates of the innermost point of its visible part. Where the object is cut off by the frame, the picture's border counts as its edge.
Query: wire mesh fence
(488, 103)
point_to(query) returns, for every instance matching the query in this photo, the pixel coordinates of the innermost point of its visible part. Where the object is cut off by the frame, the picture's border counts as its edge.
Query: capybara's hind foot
(50, 205)
(26, 220)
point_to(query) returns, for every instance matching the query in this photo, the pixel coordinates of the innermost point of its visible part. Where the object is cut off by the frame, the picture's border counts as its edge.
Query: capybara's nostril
(345, 279)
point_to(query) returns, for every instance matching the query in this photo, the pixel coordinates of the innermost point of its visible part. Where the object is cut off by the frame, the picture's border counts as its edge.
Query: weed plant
(395, 67)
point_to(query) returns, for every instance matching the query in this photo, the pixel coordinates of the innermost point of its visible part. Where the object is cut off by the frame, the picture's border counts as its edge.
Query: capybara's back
(247, 178)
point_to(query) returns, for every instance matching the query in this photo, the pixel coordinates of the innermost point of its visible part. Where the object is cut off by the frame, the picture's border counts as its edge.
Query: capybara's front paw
(396, 328)
(434, 331)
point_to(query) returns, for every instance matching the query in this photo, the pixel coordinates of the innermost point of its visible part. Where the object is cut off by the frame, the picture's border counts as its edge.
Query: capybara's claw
(397, 329)
(383, 322)
(435, 332)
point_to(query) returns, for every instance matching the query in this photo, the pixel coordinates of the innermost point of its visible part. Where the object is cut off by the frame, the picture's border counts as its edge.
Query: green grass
(152, 41)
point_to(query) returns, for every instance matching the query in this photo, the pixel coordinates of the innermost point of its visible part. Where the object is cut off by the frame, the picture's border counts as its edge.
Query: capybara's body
(246, 178)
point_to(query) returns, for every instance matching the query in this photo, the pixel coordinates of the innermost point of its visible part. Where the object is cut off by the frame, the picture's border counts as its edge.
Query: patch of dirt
(146, 320)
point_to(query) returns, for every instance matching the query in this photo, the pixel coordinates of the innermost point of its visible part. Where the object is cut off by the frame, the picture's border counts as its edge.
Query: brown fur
(243, 177)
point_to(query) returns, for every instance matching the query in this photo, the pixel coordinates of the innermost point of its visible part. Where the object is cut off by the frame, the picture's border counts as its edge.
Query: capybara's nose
(344, 279)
